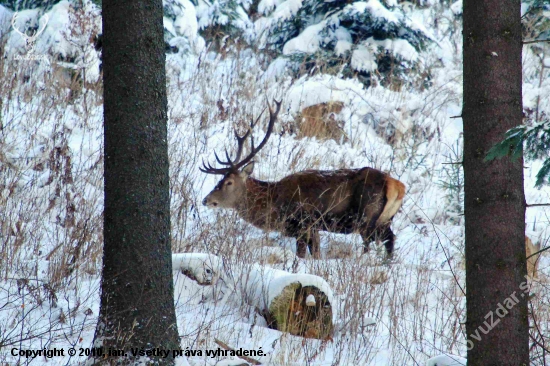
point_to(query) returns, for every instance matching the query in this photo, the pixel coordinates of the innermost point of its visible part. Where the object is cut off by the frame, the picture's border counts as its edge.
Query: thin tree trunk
(494, 197)
(137, 302)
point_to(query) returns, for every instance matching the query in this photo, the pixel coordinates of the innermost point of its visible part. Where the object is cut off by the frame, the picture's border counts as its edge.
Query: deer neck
(254, 207)
(256, 192)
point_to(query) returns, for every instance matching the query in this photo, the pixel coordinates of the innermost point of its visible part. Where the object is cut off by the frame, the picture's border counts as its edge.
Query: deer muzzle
(209, 202)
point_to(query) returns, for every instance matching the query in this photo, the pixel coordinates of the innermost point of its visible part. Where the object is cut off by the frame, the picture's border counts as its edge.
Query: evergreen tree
(532, 139)
(18, 5)
(369, 40)
(531, 142)
(223, 21)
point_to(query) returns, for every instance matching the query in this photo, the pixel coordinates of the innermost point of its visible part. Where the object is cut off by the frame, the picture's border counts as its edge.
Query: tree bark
(137, 298)
(494, 197)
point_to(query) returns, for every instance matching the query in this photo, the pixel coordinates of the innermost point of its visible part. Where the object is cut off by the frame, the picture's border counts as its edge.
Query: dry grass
(321, 121)
(51, 224)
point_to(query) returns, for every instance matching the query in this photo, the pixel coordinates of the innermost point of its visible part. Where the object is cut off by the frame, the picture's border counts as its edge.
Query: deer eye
(228, 183)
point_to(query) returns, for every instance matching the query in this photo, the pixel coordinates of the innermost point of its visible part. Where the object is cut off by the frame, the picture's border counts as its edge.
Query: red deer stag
(344, 201)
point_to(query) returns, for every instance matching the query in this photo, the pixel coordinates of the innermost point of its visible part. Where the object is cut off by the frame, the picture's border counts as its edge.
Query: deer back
(317, 195)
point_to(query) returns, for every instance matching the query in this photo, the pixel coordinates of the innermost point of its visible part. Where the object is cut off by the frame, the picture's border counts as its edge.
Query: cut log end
(292, 312)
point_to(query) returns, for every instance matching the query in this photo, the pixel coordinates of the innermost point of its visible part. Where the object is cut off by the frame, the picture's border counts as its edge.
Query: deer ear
(248, 169)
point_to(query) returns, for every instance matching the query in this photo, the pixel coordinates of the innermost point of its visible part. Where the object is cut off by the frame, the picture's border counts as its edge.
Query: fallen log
(202, 268)
(300, 304)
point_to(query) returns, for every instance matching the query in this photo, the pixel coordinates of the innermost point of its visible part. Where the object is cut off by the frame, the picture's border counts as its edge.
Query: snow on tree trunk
(300, 304)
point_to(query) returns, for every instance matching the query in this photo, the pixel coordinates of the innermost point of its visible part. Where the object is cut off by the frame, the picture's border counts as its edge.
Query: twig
(246, 358)
(538, 204)
(540, 333)
(454, 163)
(456, 116)
(536, 41)
(540, 251)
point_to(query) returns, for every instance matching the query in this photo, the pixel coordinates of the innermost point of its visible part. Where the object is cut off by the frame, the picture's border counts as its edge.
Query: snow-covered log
(201, 267)
(283, 298)
(300, 304)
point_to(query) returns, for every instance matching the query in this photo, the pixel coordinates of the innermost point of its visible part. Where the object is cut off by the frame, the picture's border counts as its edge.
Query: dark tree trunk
(137, 302)
(494, 198)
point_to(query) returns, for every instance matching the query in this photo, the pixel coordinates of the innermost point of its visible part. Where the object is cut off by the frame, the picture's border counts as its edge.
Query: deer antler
(39, 31)
(237, 163)
(242, 139)
(13, 20)
(254, 150)
(28, 38)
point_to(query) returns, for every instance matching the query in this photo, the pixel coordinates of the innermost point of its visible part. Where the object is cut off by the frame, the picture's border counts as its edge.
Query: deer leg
(301, 246)
(308, 239)
(293, 230)
(314, 244)
(368, 231)
(388, 238)
(368, 236)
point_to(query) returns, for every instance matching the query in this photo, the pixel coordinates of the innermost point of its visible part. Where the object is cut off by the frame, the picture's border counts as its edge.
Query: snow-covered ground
(51, 196)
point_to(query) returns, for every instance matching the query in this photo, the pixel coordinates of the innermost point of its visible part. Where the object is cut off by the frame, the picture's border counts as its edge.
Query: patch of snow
(206, 268)
(233, 361)
(286, 10)
(363, 59)
(320, 89)
(398, 47)
(369, 320)
(308, 41)
(456, 7)
(342, 47)
(276, 69)
(265, 6)
(181, 361)
(344, 41)
(283, 11)
(186, 22)
(377, 9)
(55, 37)
(342, 34)
(446, 360)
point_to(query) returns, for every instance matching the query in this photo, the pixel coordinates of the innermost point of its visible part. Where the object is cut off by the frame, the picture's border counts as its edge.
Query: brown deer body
(533, 257)
(345, 201)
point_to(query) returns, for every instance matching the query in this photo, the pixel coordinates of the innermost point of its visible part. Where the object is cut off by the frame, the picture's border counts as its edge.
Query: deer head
(230, 190)
(30, 41)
